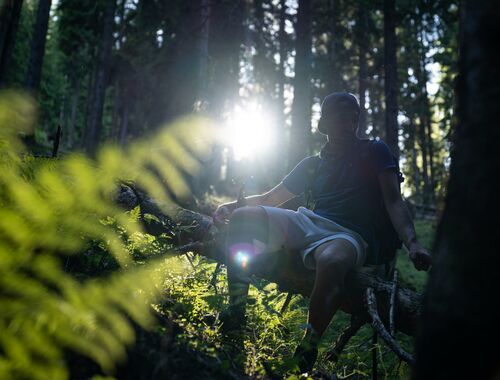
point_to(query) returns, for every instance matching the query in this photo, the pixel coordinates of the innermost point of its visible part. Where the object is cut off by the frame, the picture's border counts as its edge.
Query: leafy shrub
(54, 209)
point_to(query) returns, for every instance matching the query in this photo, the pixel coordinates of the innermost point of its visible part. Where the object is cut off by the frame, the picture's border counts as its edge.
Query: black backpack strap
(312, 174)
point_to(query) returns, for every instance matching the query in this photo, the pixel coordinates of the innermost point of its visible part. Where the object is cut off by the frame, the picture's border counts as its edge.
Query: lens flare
(249, 132)
(242, 258)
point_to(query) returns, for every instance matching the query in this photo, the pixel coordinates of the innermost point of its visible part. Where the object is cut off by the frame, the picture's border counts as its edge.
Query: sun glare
(249, 132)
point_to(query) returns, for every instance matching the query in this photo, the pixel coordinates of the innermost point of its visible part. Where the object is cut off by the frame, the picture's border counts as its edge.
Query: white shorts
(304, 230)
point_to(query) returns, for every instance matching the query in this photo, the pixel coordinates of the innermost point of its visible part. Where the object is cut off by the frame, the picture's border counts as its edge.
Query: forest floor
(187, 342)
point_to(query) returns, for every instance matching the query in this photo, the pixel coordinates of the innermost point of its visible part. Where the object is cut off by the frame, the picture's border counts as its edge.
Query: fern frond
(53, 208)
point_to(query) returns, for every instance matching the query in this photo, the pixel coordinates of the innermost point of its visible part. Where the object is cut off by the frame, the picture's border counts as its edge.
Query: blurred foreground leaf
(50, 209)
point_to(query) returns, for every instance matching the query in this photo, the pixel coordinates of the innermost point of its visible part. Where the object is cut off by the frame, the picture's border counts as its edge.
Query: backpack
(383, 228)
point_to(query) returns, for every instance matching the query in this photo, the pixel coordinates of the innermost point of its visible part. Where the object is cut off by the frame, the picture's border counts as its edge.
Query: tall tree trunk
(38, 40)
(226, 38)
(204, 56)
(430, 191)
(361, 29)
(300, 134)
(282, 40)
(334, 83)
(98, 94)
(124, 119)
(115, 115)
(10, 13)
(391, 81)
(184, 70)
(459, 336)
(414, 154)
(88, 104)
(75, 96)
(422, 140)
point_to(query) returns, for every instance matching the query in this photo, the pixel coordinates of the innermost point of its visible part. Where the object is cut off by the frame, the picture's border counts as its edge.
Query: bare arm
(401, 220)
(274, 197)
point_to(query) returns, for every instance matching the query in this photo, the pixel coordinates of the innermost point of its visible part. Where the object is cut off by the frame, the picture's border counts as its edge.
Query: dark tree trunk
(124, 120)
(204, 56)
(422, 140)
(391, 81)
(282, 41)
(260, 68)
(334, 82)
(75, 96)
(10, 13)
(430, 190)
(226, 37)
(38, 40)
(115, 115)
(376, 101)
(361, 42)
(283, 55)
(300, 134)
(414, 153)
(459, 338)
(88, 103)
(98, 93)
(424, 115)
(225, 42)
(183, 73)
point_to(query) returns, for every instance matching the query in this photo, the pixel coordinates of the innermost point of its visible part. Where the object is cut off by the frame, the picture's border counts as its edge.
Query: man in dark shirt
(353, 184)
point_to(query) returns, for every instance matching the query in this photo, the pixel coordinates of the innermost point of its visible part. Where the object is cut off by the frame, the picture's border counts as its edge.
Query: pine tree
(38, 41)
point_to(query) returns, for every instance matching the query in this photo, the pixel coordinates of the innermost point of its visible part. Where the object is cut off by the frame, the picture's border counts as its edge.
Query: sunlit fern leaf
(50, 208)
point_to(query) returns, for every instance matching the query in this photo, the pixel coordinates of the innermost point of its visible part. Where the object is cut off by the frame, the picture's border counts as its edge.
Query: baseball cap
(337, 103)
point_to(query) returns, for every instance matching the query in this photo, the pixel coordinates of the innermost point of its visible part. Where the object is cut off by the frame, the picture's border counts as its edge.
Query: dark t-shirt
(346, 189)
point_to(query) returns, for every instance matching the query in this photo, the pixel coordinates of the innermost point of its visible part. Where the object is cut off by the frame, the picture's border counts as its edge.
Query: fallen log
(196, 233)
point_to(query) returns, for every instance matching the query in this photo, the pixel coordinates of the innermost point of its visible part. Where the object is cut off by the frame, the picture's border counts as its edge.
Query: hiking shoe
(305, 355)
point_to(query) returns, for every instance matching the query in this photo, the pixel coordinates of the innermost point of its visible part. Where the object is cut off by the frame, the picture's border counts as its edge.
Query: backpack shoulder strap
(312, 174)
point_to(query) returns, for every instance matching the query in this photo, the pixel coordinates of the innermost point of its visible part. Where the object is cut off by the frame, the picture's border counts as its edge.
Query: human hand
(223, 212)
(421, 259)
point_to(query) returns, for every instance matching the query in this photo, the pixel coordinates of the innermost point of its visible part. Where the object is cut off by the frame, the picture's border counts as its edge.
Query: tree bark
(300, 134)
(204, 56)
(391, 81)
(334, 79)
(284, 268)
(98, 93)
(39, 38)
(361, 29)
(430, 190)
(124, 119)
(10, 13)
(458, 337)
(414, 153)
(226, 36)
(75, 96)
(283, 53)
(422, 140)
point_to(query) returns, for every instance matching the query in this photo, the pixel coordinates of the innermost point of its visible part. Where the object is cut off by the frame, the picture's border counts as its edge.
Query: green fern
(51, 208)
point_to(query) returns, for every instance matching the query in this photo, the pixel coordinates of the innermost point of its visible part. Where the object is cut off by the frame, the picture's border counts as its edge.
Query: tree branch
(371, 304)
(334, 353)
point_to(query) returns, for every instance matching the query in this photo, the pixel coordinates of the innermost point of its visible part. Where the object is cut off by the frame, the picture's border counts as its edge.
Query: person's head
(339, 114)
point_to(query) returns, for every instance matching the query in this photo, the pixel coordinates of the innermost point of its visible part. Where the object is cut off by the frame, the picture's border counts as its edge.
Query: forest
(127, 125)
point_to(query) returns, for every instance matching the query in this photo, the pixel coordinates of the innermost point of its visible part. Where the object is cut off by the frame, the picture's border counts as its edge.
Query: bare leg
(246, 224)
(333, 260)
